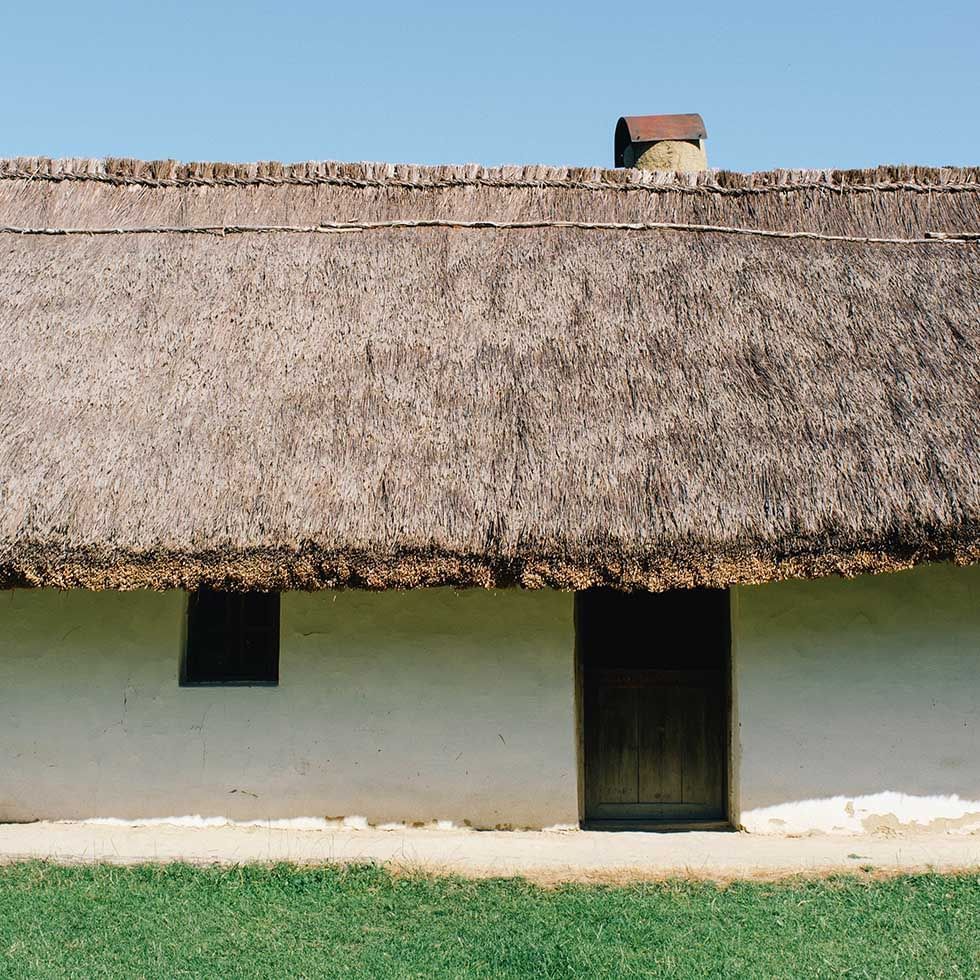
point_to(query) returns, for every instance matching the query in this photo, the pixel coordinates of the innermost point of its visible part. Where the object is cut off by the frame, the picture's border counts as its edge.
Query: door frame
(730, 761)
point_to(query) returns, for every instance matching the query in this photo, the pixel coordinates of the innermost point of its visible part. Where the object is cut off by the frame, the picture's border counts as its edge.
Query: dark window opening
(232, 638)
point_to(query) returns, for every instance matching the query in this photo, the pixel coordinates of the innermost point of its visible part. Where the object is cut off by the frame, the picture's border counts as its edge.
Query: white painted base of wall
(880, 813)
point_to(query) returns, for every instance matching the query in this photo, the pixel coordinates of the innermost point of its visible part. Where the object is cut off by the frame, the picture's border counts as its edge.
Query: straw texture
(483, 406)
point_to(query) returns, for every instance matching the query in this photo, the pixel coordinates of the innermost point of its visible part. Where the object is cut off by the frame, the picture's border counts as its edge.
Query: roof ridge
(170, 173)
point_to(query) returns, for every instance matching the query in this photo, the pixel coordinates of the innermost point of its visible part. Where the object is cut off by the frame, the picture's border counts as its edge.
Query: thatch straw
(539, 406)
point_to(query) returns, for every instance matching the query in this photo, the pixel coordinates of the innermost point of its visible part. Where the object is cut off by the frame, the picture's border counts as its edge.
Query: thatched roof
(556, 404)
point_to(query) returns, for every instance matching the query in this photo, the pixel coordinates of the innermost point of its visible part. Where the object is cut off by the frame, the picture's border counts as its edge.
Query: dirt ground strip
(544, 856)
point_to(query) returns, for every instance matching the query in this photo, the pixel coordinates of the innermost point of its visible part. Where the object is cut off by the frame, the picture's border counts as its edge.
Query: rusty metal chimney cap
(649, 129)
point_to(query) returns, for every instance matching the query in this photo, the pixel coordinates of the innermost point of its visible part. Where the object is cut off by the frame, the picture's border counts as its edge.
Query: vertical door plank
(715, 717)
(661, 746)
(616, 758)
(698, 778)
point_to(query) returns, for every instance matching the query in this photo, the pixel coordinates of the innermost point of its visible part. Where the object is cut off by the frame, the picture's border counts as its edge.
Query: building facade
(855, 706)
(514, 497)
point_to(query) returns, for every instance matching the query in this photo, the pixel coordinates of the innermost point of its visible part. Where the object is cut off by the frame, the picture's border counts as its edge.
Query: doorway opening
(654, 670)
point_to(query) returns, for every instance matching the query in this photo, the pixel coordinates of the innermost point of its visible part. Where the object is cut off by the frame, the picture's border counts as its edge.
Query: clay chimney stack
(661, 142)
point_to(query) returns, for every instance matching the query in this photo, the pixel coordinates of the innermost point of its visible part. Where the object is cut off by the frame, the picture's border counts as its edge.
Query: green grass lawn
(177, 921)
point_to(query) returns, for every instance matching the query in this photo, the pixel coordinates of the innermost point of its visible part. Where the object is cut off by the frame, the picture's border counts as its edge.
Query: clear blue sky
(790, 84)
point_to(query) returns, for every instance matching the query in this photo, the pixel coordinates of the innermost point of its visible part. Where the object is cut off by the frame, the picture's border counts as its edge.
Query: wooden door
(655, 706)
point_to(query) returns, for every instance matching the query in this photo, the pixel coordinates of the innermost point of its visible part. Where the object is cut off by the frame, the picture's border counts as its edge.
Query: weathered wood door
(655, 704)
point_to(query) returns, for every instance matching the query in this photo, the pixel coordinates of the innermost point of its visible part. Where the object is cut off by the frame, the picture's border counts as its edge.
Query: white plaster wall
(410, 706)
(857, 703)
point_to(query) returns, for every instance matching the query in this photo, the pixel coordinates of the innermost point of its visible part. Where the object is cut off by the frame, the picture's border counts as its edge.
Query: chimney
(661, 142)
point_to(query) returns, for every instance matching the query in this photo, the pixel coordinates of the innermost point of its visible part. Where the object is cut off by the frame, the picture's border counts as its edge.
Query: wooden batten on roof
(619, 381)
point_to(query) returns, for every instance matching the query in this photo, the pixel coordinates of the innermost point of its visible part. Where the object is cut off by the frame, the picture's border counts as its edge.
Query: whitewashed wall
(412, 706)
(856, 706)
(857, 703)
